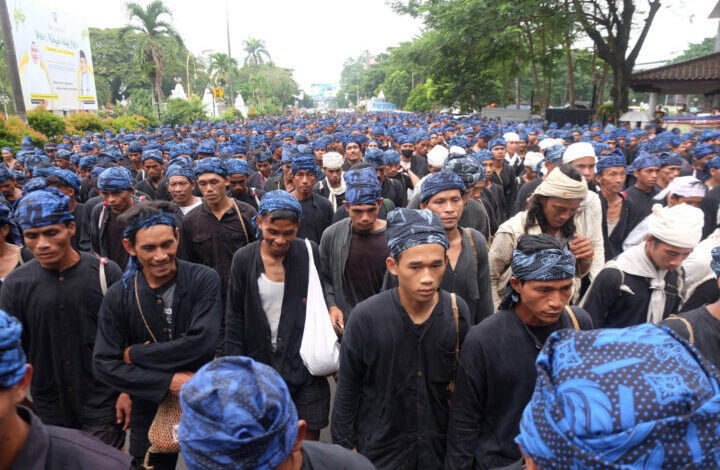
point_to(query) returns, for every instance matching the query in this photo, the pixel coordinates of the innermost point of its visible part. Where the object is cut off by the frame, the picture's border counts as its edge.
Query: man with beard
(317, 210)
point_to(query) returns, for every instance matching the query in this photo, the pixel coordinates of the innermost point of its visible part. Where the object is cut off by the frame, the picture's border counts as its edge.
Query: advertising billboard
(322, 91)
(53, 56)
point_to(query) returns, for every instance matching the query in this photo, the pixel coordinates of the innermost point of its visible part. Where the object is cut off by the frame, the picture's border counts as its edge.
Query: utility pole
(11, 61)
(227, 24)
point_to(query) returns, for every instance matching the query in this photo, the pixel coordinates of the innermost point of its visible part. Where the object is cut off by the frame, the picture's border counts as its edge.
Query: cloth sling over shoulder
(456, 317)
(237, 211)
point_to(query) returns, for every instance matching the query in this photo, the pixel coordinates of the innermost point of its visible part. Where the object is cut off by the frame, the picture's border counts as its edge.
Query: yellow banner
(39, 96)
(86, 98)
(58, 51)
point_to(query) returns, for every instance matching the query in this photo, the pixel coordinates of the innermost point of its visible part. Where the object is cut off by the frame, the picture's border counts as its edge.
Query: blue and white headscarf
(275, 201)
(153, 155)
(13, 363)
(550, 264)
(210, 165)
(304, 163)
(181, 170)
(42, 208)
(363, 187)
(633, 398)
(237, 166)
(6, 218)
(117, 178)
(407, 228)
(237, 413)
(614, 159)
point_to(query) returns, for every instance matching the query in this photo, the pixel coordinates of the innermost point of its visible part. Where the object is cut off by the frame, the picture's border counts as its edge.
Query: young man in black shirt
(57, 297)
(238, 173)
(496, 369)
(317, 210)
(398, 354)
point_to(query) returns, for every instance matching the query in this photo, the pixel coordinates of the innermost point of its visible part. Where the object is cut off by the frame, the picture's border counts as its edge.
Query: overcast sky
(315, 37)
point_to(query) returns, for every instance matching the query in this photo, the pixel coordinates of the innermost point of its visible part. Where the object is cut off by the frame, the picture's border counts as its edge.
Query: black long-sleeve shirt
(495, 380)
(196, 310)
(705, 329)
(614, 240)
(206, 240)
(247, 330)
(59, 314)
(317, 215)
(391, 399)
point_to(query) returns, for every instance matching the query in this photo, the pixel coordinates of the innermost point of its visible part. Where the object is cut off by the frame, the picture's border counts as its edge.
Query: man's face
(545, 300)
(333, 175)
(7, 156)
(489, 166)
(49, 244)
(665, 256)
(668, 173)
(8, 189)
(391, 171)
(475, 191)
(419, 271)
(408, 147)
(558, 211)
(353, 153)
(135, 157)
(180, 189)
(380, 172)
(372, 145)
(586, 167)
(512, 147)
(522, 146)
(264, 168)
(363, 216)
(62, 163)
(118, 201)
(238, 184)
(448, 205)
(277, 234)
(213, 187)
(647, 177)
(155, 247)
(304, 181)
(319, 155)
(612, 179)
(153, 169)
(422, 148)
(498, 152)
(287, 169)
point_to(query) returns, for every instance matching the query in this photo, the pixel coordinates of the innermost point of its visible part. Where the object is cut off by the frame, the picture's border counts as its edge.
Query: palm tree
(158, 39)
(221, 68)
(256, 51)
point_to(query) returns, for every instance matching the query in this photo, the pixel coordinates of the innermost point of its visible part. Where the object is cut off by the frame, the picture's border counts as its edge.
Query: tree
(697, 49)
(222, 68)
(256, 51)
(609, 27)
(157, 39)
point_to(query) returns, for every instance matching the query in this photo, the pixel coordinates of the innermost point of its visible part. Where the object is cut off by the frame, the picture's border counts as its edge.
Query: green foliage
(46, 122)
(230, 114)
(256, 51)
(697, 49)
(423, 98)
(396, 87)
(13, 130)
(180, 111)
(605, 111)
(253, 113)
(267, 87)
(78, 123)
(130, 123)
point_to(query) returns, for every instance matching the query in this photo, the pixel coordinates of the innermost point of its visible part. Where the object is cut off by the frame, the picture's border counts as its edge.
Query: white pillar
(652, 104)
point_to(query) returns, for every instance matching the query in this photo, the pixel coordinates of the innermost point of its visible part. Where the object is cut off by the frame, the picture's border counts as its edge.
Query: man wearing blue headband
(610, 177)
(181, 184)
(8, 189)
(8, 157)
(284, 179)
(495, 377)
(154, 166)
(645, 169)
(214, 230)
(158, 325)
(626, 398)
(670, 166)
(134, 155)
(69, 184)
(239, 413)
(503, 174)
(57, 297)
(395, 411)
(25, 441)
(317, 210)
(266, 304)
(238, 174)
(106, 232)
(353, 152)
(354, 249)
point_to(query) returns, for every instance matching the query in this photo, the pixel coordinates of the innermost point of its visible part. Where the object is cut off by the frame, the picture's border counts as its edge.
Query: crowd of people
(504, 295)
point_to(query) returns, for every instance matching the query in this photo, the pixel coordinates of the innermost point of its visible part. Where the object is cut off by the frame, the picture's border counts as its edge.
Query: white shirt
(271, 297)
(187, 209)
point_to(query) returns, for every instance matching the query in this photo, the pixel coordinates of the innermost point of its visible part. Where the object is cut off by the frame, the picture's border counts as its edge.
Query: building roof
(715, 13)
(700, 75)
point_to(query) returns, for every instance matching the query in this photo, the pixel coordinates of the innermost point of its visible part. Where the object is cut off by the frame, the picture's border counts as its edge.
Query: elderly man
(25, 441)
(644, 283)
(621, 398)
(495, 371)
(610, 176)
(398, 353)
(181, 184)
(238, 413)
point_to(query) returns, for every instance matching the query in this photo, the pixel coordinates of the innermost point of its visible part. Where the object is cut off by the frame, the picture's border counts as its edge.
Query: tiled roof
(706, 67)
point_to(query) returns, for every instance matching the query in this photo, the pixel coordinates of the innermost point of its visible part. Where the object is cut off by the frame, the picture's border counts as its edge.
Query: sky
(315, 37)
